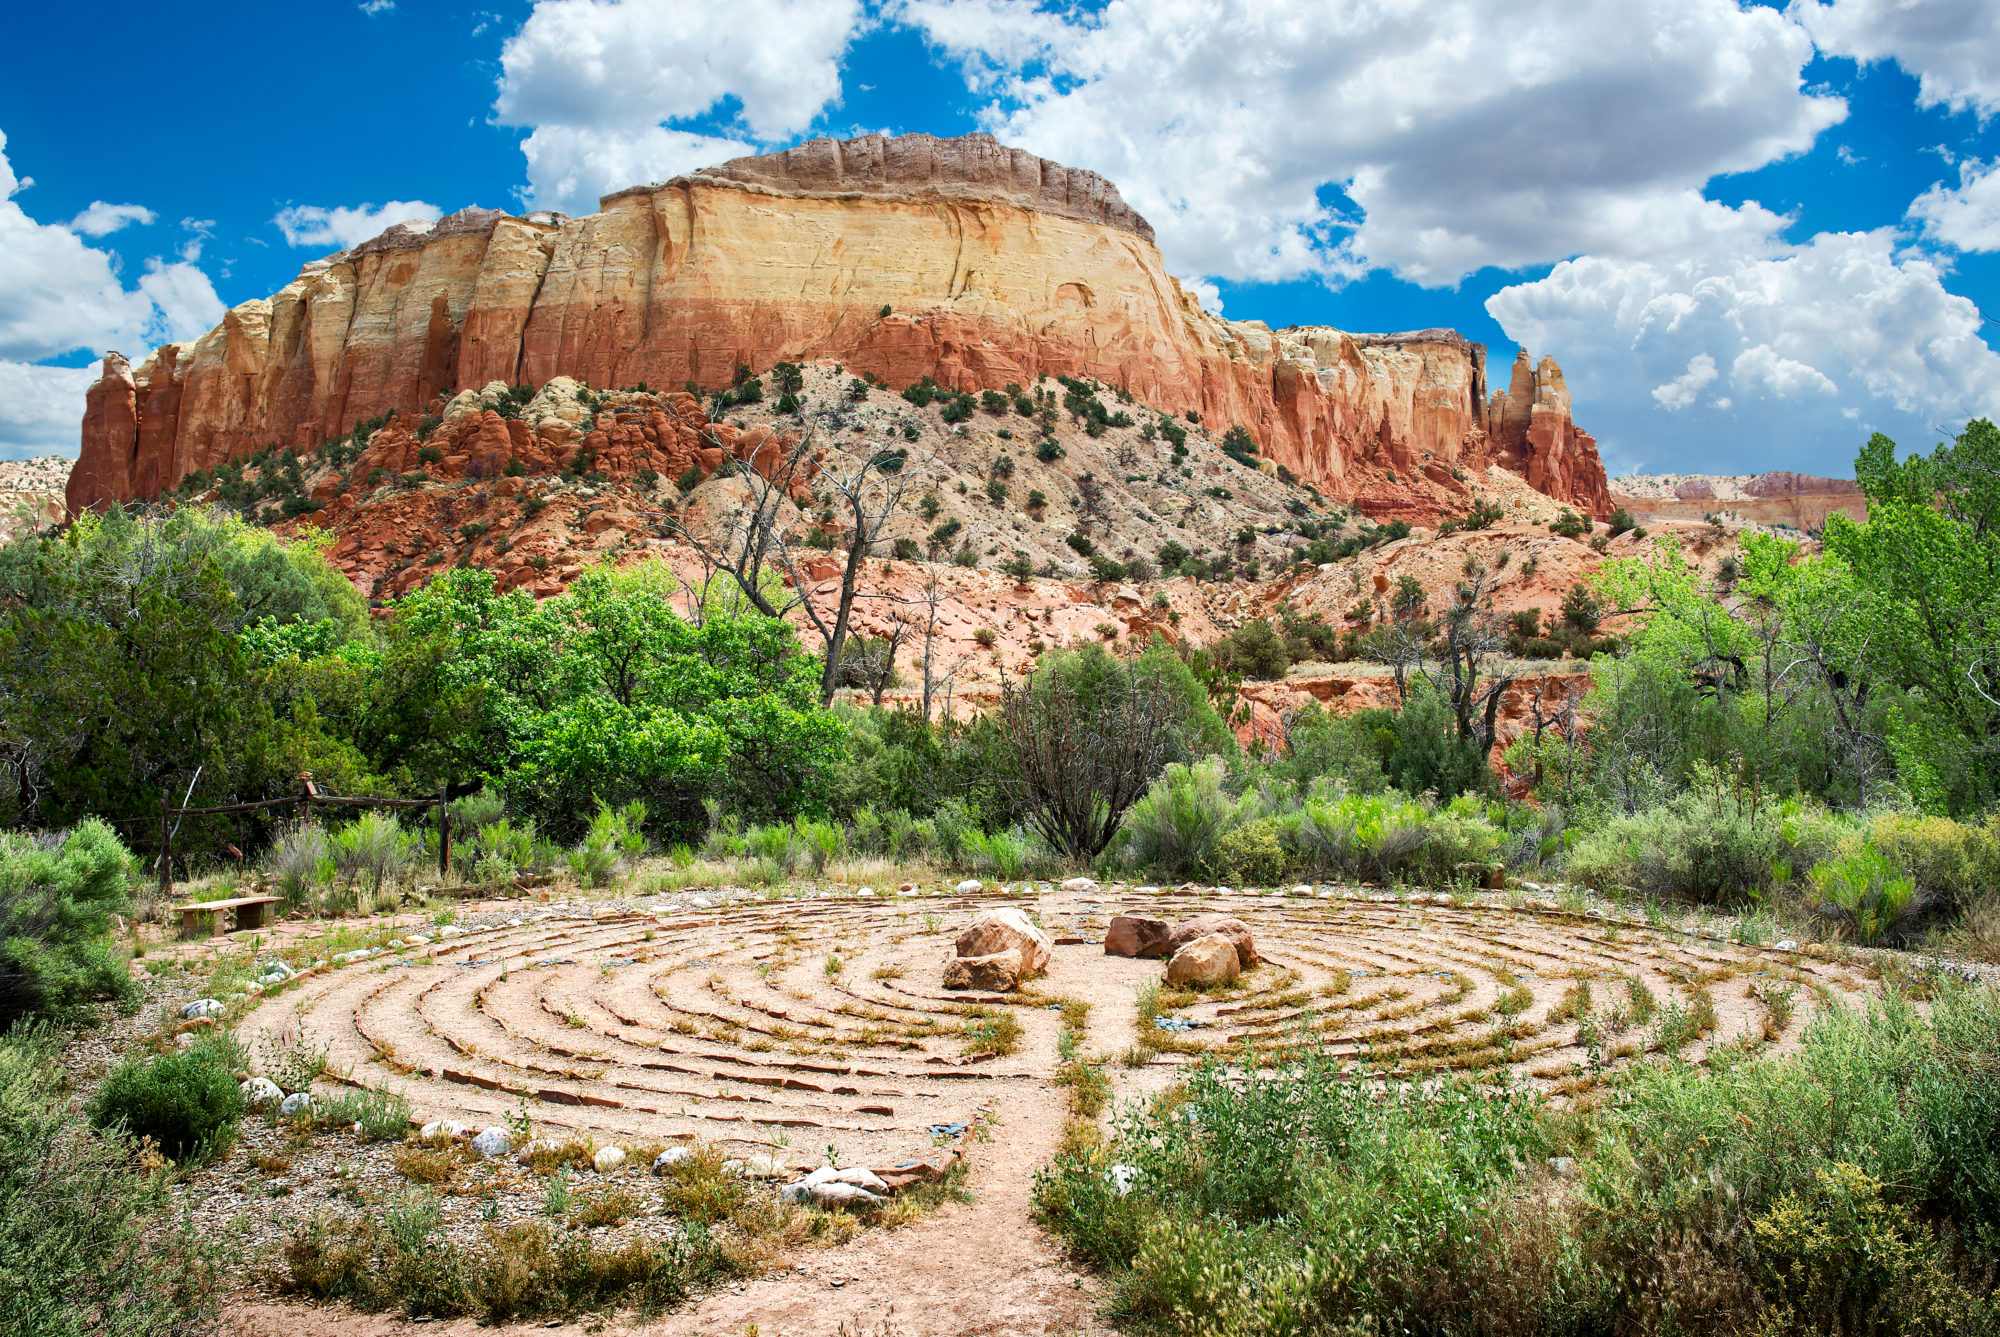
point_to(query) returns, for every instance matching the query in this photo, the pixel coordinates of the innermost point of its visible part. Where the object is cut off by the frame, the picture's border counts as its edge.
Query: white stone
(608, 1159)
(669, 1158)
(1302, 890)
(451, 931)
(202, 1007)
(261, 1093)
(441, 1128)
(1122, 1178)
(276, 970)
(865, 891)
(299, 1102)
(1149, 891)
(1080, 884)
(1787, 945)
(970, 884)
(493, 1143)
(836, 1194)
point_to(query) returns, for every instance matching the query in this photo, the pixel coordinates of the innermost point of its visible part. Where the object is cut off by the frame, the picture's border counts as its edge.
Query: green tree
(1927, 568)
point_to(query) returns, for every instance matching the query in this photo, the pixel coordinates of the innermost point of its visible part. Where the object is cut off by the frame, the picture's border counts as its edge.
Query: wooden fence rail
(303, 803)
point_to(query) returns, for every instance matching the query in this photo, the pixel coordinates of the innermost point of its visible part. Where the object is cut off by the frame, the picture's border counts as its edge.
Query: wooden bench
(249, 912)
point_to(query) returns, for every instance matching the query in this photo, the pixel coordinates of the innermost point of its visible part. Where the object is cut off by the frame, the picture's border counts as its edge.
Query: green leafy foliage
(57, 899)
(187, 1102)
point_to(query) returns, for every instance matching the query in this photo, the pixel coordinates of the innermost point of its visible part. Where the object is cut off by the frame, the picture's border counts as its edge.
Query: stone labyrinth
(811, 1022)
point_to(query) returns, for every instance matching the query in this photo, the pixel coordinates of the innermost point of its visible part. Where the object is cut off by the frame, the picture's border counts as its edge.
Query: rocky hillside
(31, 493)
(1777, 500)
(900, 258)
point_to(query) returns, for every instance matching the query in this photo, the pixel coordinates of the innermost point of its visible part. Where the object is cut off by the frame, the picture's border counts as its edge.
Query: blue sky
(1751, 234)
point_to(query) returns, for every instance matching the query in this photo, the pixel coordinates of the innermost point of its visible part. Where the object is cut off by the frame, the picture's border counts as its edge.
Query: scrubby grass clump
(402, 1260)
(187, 1104)
(1851, 1187)
(89, 1243)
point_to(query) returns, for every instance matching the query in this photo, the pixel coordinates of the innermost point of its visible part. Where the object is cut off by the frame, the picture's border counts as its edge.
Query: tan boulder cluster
(1202, 951)
(997, 951)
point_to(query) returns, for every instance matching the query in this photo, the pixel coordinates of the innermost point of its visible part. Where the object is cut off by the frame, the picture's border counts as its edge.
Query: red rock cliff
(994, 266)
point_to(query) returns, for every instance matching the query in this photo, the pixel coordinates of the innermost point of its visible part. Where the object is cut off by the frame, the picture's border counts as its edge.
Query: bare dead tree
(1472, 635)
(762, 539)
(924, 619)
(1078, 762)
(870, 663)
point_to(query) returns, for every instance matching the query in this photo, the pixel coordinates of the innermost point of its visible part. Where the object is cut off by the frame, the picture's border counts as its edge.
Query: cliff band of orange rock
(996, 266)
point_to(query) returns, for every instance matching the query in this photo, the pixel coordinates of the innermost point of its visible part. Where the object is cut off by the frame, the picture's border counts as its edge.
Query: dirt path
(978, 1269)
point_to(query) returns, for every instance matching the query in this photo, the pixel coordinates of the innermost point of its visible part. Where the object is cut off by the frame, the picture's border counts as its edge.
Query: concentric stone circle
(821, 1020)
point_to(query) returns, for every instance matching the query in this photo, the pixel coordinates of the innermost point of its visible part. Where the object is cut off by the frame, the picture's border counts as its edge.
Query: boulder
(995, 973)
(1206, 961)
(1141, 936)
(607, 1159)
(997, 930)
(261, 1093)
(492, 1144)
(1228, 926)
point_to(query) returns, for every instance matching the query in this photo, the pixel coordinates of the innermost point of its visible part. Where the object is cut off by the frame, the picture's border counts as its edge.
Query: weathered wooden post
(166, 849)
(444, 831)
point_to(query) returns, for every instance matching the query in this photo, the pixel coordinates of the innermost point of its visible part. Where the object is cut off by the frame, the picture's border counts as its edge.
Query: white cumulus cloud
(600, 83)
(1951, 46)
(1965, 217)
(1824, 342)
(343, 226)
(1293, 138)
(59, 295)
(101, 219)
(1681, 391)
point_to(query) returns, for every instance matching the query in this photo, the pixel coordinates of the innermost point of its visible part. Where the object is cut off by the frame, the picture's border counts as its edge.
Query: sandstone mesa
(996, 266)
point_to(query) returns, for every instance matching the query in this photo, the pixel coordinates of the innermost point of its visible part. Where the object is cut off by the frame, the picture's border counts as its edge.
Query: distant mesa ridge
(996, 266)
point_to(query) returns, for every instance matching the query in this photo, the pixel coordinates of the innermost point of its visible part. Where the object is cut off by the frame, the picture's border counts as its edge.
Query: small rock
(865, 891)
(202, 1007)
(1147, 891)
(1138, 936)
(1302, 890)
(1785, 945)
(493, 1143)
(971, 884)
(1122, 1178)
(451, 931)
(1563, 1166)
(184, 1041)
(1208, 960)
(261, 1093)
(608, 1159)
(794, 1193)
(669, 1158)
(441, 1128)
(854, 1174)
(276, 970)
(996, 972)
(299, 1102)
(1080, 884)
(761, 1167)
(836, 1194)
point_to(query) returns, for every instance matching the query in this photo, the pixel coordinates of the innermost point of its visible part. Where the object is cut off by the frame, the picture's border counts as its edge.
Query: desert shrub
(505, 847)
(1837, 1189)
(1865, 894)
(1002, 854)
(298, 861)
(88, 1244)
(373, 849)
(187, 1103)
(57, 899)
(1709, 849)
(1458, 839)
(1953, 864)
(1320, 745)
(479, 809)
(820, 839)
(613, 842)
(1429, 756)
(1253, 854)
(1176, 827)
(402, 1260)
(1359, 837)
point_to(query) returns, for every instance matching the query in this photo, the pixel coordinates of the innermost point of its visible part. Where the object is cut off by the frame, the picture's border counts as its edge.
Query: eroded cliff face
(1792, 500)
(994, 266)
